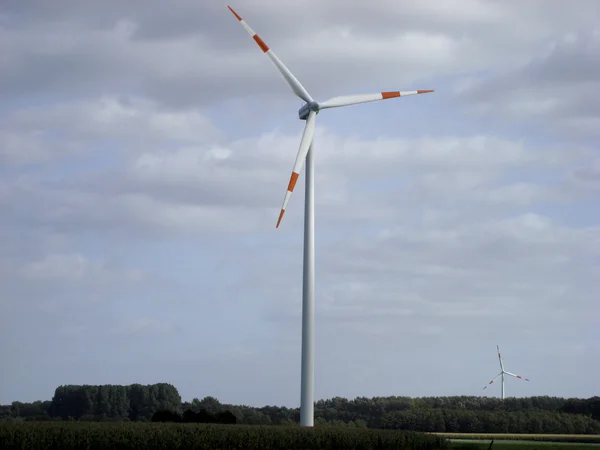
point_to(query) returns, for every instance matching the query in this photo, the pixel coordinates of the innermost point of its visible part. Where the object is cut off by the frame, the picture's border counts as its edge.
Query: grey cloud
(569, 62)
(522, 268)
(589, 176)
(140, 49)
(21, 148)
(556, 90)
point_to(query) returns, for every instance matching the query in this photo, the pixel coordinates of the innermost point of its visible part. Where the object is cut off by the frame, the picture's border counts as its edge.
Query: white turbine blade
(346, 100)
(500, 358)
(305, 143)
(516, 376)
(493, 379)
(289, 78)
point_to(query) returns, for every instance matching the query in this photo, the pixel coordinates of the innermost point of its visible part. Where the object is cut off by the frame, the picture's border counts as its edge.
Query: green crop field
(149, 436)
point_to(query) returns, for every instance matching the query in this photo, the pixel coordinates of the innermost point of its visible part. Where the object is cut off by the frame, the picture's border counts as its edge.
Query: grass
(519, 436)
(579, 438)
(505, 444)
(481, 441)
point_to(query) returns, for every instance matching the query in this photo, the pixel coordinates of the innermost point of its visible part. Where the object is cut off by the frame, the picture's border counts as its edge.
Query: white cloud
(21, 148)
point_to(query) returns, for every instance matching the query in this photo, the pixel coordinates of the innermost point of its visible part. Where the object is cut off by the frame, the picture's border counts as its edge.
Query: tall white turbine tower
(502, 372)
(308, 112)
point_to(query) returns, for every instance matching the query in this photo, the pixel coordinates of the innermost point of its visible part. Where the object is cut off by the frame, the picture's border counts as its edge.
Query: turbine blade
(289, 78)
(516, 376)
(305, 143)
(493, 379)
(500, 358)
(346, 100)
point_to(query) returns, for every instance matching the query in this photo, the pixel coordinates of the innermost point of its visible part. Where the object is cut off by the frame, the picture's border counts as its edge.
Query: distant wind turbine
(501, 374)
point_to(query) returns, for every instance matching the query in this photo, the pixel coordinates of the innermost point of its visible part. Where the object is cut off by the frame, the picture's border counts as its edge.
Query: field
(582, 438)
(505, 444)
(468, 441)
(149, 436)
(138, 435)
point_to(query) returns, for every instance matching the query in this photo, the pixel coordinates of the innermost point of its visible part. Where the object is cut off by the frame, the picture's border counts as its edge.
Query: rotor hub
(307, 108)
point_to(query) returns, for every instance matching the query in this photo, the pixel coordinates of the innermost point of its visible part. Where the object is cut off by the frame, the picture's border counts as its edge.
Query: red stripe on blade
(260, 43)
(234, 13)
(280, 217)
(293, 180)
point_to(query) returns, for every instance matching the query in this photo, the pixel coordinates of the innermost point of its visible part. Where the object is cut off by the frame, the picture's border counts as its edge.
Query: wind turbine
(308, 112)
(502, 372)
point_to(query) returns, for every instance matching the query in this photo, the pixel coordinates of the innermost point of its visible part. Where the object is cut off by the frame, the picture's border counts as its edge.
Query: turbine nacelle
(307, 108)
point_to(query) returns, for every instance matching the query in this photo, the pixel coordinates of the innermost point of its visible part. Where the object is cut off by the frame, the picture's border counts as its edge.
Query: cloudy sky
(145, 149)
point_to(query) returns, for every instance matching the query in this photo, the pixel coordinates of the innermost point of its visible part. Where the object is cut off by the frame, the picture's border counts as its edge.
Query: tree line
(463, 414)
